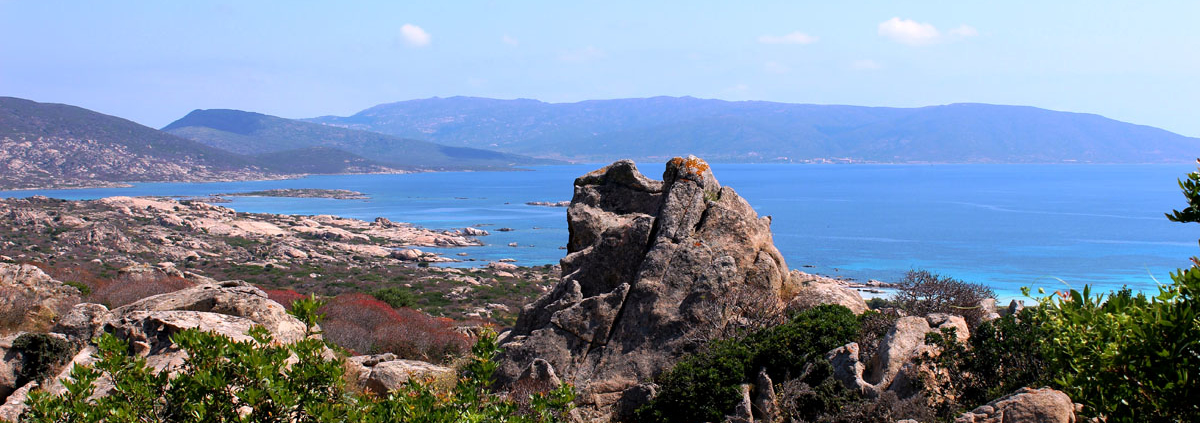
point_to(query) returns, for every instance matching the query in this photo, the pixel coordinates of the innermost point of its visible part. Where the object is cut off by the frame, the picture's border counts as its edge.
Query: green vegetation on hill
(59, 145)
(276, 138)
(758, 131)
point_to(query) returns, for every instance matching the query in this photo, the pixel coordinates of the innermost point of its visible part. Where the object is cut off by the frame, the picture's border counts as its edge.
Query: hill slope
(660, 127)
(57, 145)
(258, 134)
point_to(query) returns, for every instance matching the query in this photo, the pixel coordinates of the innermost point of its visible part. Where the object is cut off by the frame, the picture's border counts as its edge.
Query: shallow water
(1007, 226)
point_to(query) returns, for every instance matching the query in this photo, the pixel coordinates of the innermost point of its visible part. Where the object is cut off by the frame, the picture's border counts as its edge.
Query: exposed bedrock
(654, 269)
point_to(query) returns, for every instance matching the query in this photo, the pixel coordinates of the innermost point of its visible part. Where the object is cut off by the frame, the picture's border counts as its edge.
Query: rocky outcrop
(652, 269)
(894, 368)
(229, 305)
(812, 291)
(384, 373)
(228, 308)
(1043, 405)
(30, 299)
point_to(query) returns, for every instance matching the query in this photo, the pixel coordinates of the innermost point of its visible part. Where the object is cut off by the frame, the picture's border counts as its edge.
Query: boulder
(384, 373)
(1043, 405)
(894, 367)
(652, 269)
(10, 365)
(230, 298)
(810, 294)
(508, 267)
(83, 322)
(31, 299)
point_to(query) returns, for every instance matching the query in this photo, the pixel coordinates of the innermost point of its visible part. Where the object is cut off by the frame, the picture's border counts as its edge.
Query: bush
(262, 381)
(396, 297)
(1002, 357)
(1128, 358)
(127, 289)
(704, 386)
(284, 297)
(40, 355)
(921, 293)
(364, 324)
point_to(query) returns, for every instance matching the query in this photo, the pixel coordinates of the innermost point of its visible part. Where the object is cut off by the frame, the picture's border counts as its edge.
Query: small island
(337, 194)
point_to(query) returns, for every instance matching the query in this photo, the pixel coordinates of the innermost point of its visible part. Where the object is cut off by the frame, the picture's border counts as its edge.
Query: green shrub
(704, 386)
(40, 355)
(396, 297)
(260, 380)
(1128, 358)
(1002, 356)
(84, 290)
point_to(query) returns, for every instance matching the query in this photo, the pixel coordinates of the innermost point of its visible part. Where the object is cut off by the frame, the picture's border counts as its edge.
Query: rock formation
(1043, 405)
(30, 299)
(653, 270)
(894, 367)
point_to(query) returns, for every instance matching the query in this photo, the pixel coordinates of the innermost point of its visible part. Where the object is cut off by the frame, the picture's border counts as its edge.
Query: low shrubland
(261, 380)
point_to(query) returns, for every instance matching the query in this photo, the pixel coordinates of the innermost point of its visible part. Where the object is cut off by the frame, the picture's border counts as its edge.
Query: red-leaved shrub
(366, 325)
(284, 297)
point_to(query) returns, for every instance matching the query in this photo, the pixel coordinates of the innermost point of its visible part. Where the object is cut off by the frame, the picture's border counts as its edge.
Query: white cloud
(776, 67)
(909, 32)
(510, 40)
(964, 31)
(414, 36)
(864, 64)
(793, 38)
(586, 54)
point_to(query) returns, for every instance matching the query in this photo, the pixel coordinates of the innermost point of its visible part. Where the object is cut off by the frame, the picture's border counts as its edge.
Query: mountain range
(257, 134)
(46, 145)
(58, 145)
(759, 131)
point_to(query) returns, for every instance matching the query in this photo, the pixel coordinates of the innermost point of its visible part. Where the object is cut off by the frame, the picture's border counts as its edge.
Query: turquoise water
(1007, 226)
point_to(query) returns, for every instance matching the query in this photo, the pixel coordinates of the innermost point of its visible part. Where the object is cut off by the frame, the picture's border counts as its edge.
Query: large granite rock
(812, 291)
(1043, 405)
(894, 368)
(383, 373)
(30, 299)
(220, 302)
(652, 268)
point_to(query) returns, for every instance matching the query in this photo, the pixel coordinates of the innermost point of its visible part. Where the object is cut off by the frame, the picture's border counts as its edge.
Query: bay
(1007, 226)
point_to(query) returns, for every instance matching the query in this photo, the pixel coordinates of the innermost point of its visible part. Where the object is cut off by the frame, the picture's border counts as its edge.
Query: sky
(153, 62)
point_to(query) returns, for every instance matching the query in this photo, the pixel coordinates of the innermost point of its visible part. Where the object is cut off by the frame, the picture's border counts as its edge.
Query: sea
(1007, 226)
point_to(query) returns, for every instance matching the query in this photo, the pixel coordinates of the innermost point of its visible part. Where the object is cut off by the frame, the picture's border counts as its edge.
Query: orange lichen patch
(690, 165)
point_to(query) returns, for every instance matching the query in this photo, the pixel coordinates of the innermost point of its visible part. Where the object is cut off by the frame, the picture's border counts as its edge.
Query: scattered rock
(549, 203)
(505, 229)
(512, 244)
(508, 267)
(475, 231)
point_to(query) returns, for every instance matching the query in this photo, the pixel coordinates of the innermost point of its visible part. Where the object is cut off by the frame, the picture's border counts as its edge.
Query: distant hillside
(662, 127)
(57, 145)
(258, 134)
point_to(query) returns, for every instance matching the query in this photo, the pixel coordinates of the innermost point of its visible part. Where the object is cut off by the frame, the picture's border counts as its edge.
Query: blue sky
(152, 62)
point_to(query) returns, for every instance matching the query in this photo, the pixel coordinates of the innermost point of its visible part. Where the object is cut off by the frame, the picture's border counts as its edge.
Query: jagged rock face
(652, 267)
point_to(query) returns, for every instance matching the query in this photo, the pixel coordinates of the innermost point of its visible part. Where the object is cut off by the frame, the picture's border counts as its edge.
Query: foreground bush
(1128, 357)
(263, 381)
(704, 386)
